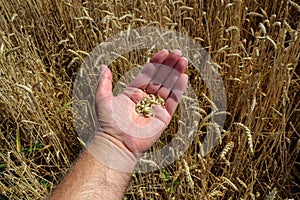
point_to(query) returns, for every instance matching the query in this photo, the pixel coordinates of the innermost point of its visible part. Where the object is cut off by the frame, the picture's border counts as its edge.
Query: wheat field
(255, 44)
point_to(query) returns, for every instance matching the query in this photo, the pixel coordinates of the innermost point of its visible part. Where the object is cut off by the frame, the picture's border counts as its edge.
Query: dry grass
(255, 43)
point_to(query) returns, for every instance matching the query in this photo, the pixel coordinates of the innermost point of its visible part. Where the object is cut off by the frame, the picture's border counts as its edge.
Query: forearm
(91, 179)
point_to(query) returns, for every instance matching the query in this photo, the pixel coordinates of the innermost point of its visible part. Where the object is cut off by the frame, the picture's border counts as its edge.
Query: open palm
(163, 76)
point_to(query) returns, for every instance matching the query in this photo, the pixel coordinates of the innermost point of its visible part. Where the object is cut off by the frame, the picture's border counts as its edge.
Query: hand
(119, 123)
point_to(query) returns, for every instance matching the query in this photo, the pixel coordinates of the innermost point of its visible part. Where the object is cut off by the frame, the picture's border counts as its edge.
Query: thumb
(104, 88)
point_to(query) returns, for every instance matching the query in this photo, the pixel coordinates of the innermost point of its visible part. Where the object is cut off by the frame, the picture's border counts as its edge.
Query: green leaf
(165, 175)
(44, 183)
(176, 183)
(65, 107)
(2, 166)
(34, 147)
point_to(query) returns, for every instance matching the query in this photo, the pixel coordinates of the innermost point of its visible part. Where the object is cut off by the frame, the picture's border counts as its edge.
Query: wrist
(112, 152)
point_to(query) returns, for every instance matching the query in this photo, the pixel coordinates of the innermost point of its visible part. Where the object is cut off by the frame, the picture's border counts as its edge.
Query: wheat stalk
(231, 184)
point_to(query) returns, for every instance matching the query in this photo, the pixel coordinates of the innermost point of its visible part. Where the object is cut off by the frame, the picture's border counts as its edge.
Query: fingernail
(186, 76)
(186, 60)
(177, 51)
